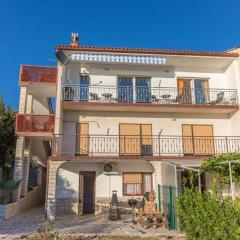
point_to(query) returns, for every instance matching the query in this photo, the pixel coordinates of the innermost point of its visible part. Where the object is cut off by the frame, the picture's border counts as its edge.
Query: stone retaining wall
(32, 199)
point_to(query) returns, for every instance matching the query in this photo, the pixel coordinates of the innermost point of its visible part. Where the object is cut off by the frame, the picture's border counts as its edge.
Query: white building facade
(126, 119)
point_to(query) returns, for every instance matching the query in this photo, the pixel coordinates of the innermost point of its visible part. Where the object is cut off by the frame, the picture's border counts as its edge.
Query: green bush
(6, 190)
(204, 216)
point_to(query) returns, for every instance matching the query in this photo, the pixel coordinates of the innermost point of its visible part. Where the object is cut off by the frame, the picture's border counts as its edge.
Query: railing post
(193, 145)
(124, 146)
(226, 139)
(159, 198)
(159, 145)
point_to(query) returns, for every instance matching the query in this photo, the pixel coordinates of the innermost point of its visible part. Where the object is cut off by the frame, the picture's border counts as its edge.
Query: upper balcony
(38, 74)
(150, 99)
(35, 125)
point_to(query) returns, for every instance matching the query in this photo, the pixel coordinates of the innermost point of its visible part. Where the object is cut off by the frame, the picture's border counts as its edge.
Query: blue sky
(30, 29)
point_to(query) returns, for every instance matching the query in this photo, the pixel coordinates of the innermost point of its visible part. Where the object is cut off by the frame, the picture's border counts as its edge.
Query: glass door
(125, 89)
(143, 89)
(84, 88)
(201, 91)
(184, 91)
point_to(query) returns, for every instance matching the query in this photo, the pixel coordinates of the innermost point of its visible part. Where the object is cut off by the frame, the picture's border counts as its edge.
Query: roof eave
(146, 51)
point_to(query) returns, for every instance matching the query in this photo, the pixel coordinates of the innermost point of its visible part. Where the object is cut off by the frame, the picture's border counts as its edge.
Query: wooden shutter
(132, 178)
(130, 139)
(146, 131)
(198, 139)
(82, 138)
(203, 139)
(187, 139)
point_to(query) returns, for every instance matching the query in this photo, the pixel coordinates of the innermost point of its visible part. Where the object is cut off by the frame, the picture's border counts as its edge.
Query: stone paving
(29, 222)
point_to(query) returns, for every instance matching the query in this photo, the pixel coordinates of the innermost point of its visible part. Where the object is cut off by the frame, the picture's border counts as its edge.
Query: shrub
(6, 189)
(204, 216)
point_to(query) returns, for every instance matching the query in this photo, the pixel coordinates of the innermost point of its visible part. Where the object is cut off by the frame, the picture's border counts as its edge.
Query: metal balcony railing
(38, 74)
(154, 95)
(34, 123)
(115, 145)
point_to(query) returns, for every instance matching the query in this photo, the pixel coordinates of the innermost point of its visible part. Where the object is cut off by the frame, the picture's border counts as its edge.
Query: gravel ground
(96, 225)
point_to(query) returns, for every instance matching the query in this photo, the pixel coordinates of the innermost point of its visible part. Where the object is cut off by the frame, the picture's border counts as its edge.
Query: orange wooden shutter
(130, 141)
(187, 139)
(203, 139)
(82, 138)
(146, 131)
(132, 178)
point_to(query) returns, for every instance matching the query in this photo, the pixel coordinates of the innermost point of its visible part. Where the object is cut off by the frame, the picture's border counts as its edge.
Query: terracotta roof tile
(145, 51)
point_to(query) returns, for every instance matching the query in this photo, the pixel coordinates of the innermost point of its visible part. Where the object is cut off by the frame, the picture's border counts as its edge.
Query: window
(136, 183)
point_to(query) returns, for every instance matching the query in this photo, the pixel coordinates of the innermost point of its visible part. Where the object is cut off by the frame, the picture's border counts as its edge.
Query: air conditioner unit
(110, 168)
(84, 71)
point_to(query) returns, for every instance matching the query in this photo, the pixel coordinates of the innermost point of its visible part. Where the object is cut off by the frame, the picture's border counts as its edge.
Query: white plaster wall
(37, 149)
(68, 177)
(164, 76)
(40, 105)
(112, 120)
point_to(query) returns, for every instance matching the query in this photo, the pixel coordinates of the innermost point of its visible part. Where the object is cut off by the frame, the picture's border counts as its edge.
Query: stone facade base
(32, 199)
(66, 206)
(70, 206)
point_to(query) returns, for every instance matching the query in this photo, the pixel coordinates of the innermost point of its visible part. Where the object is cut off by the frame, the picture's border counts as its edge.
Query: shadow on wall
(66, 197)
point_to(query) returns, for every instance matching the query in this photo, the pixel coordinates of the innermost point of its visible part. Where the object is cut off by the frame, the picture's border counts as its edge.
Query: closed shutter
(198, 139)
(187, 139)
(82, 139)
(130, 140)
(146, 136)
(203, 139)
(132, 178)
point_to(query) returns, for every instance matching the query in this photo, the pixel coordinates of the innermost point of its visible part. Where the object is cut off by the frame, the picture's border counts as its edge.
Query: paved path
(30, 222)
(20, 225)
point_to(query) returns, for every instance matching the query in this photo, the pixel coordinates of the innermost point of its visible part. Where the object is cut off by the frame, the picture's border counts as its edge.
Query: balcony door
(84, 88)
(184, 90)
(135, 139)
(82, 139)
(201, 91)
(198, 139)
(125, 89)
(143, 89)
(193, 91)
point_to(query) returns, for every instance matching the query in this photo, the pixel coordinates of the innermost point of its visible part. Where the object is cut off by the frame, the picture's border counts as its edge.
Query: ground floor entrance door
(87, 192)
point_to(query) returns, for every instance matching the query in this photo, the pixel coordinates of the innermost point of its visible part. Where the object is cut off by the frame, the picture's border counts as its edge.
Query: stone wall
(66, 206)
(32, 199)
(70, 206)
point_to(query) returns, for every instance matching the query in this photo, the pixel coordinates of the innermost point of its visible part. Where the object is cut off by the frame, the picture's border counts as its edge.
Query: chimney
(74, 40)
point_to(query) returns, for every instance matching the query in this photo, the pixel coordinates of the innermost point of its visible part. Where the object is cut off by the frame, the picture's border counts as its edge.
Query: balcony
(35, 125)
(147, 147)
(38, 74)
(223, 101)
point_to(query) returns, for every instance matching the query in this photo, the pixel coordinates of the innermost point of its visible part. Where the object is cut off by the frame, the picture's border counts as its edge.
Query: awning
(185, 163)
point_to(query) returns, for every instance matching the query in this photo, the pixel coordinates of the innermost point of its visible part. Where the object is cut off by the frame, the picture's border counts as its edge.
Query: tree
(7, 140)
